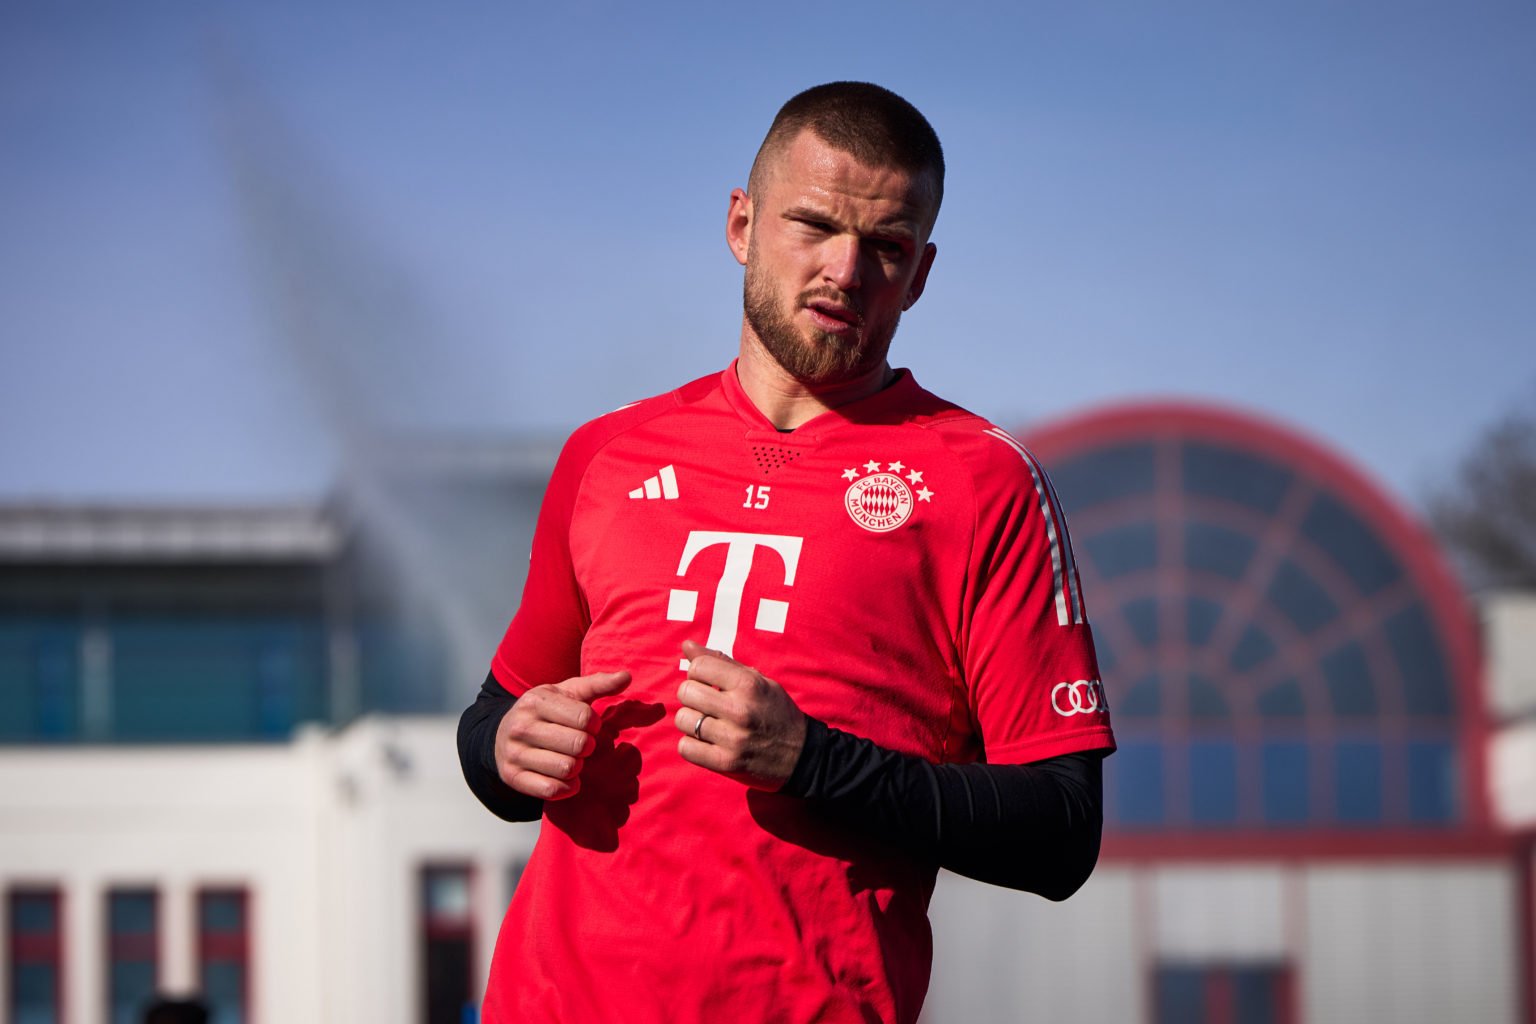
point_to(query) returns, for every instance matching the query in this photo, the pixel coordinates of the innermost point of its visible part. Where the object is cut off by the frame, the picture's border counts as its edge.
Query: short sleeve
(1030, 668)
(542, 643)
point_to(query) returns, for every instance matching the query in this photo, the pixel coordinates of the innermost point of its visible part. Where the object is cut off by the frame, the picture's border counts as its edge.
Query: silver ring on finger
(697, 729)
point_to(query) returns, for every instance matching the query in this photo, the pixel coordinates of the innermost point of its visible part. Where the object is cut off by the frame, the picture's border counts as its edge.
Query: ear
(738, 225)
(920, 279)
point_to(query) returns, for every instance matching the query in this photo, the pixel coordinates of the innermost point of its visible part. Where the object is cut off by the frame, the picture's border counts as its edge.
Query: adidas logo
(662, 485)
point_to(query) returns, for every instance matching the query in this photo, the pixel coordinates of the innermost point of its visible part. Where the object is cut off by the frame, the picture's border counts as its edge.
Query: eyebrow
(897, 229)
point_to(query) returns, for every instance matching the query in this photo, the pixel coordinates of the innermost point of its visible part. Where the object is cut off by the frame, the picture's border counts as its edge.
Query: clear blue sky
(510, 219)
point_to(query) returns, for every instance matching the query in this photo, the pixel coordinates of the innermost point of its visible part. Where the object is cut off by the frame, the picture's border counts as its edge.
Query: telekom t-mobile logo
(682, 605)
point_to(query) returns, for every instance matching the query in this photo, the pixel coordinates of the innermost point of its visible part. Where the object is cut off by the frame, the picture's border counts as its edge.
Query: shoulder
(997, 463)
(592, 437)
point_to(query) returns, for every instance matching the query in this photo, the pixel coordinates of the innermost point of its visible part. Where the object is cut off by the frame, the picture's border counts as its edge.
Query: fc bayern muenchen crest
(882, 500)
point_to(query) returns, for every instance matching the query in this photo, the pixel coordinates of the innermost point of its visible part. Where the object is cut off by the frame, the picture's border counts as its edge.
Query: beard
(814, 357)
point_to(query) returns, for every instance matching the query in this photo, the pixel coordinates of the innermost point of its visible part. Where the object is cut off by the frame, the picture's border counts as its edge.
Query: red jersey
(901, 567)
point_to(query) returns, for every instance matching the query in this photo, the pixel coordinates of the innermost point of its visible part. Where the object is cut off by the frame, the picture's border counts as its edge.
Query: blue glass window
(1121, 550)
(1349, 681)
(35, 957)
(1300, 598)
(1213, 782)
(1206, 701)
(1239, 477)
(1432, 779)
(133, 939)
(222, 953)
(1282, 700)
(1254, 648)
(1141, 616)
(208, 677)
(1351, 544)
(1104, 475)
(1416, 649)
(1200, 618)
(1217, 550)
(1286, 783)
(1143, 699)
(1137, 769)
(1357, 782)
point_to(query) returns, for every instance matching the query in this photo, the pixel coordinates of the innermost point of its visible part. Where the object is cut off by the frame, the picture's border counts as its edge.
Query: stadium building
(227, 761)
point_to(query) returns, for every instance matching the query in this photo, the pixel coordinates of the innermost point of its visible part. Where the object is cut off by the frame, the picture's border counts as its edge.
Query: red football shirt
(901, 567)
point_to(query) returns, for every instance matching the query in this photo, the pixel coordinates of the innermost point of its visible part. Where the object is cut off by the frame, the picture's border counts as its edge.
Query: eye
(888, 248)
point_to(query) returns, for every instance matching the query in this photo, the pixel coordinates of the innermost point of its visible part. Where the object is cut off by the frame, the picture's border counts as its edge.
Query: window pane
(1143, 699)
(1141, 616)
(1283, 700)
(1349, 681)
(1286, 783)
(1213, 782)
(1432, 782)
(221, 911)
(133, 986)
(1122, 550)
(34, 994)
(132, 953)
(1105, 475)
(131, 912)
(1217, 550)
(447, 895)
(34, 912)
(1238, 477)
(1357, 770)
(1206, 701)
(1350, 544)
(1255, 995)
(1416, 648)
(1252, 650)
(1200, 618)
(1138, 772)
(1301, 598)
(1180, 995)
(224, 992)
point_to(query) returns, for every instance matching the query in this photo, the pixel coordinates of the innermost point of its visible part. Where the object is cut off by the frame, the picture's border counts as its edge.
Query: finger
(543, 787)
(705, 728)
(599, 684)
(551, 704)
(561, 739)
(703, 697)
(714, 668)
(693, 649)
(548, 763)
(705, 755)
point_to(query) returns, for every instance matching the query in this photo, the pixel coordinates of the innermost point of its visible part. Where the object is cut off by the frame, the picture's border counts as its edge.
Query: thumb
(599, 684)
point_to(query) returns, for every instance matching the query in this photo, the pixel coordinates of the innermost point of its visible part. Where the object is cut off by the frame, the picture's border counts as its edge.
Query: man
(794, 636)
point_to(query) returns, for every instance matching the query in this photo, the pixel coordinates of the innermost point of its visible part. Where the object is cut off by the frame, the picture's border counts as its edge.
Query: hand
(752, 731)
(543, 740)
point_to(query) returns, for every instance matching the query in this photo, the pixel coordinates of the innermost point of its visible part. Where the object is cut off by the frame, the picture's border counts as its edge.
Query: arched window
(1282, 648)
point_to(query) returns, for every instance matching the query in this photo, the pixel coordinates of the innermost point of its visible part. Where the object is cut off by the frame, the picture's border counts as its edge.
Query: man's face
(835, 251)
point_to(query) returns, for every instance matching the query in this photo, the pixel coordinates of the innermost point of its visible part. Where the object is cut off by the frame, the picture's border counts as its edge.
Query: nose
(842, 262)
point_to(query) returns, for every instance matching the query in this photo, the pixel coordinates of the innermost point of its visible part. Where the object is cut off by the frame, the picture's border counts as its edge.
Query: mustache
(833, 296)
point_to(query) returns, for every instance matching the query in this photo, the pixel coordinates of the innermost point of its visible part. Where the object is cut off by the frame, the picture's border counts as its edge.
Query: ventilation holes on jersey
(772, 457)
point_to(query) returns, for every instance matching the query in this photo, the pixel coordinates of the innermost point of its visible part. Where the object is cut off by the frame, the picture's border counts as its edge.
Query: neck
(788, 403)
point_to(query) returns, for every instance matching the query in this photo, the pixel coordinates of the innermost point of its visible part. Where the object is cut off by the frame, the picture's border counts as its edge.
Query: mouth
(833, 317)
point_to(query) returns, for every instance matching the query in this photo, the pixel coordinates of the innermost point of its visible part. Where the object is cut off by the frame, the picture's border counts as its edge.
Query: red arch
(1059, 440)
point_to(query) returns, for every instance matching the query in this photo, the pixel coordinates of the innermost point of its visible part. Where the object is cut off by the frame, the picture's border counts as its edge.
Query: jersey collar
(877, 408)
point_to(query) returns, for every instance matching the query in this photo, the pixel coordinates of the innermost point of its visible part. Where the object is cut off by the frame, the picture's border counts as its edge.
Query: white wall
(1008, 956)
(328, 834)
(1421, 944)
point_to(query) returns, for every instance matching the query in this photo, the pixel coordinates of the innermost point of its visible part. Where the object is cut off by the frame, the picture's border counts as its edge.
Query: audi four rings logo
(1083, 697)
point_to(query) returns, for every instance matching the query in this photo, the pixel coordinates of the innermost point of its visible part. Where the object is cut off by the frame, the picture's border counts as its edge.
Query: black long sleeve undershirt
(1034, 827)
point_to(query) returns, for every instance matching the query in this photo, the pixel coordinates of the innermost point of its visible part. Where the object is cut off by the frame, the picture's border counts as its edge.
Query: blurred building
(227, 761)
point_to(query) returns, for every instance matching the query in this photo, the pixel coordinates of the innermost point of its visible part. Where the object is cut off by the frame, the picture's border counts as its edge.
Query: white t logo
(723, 624)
